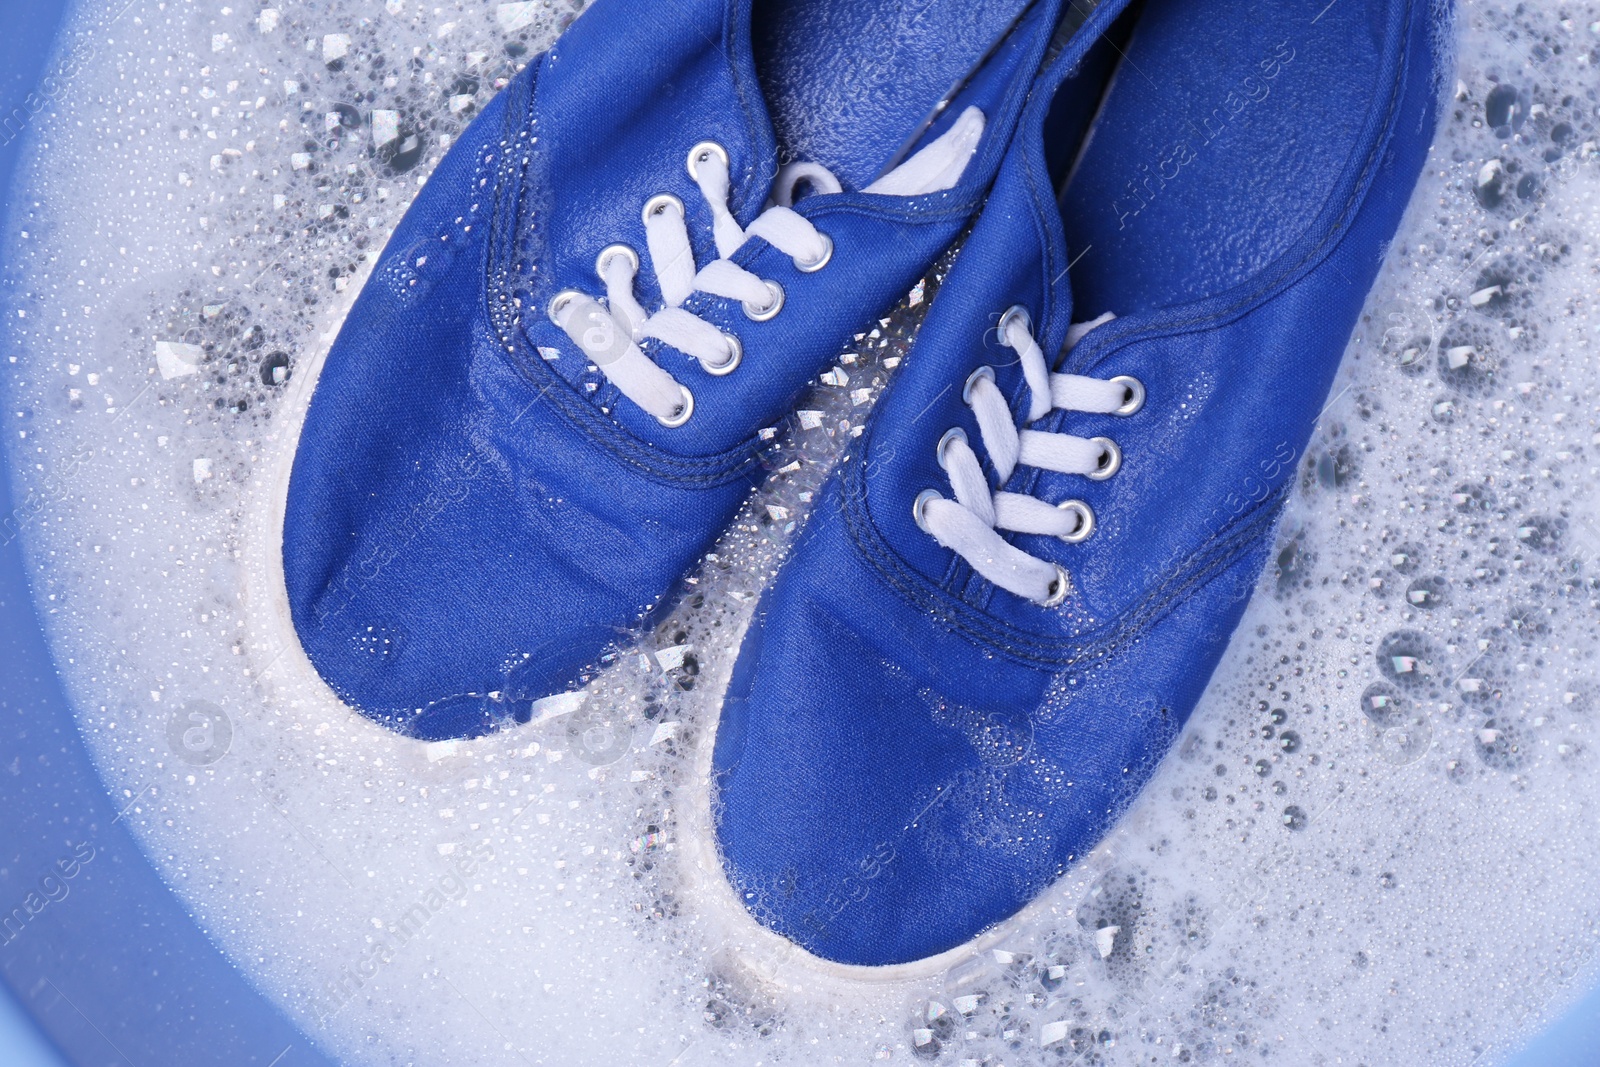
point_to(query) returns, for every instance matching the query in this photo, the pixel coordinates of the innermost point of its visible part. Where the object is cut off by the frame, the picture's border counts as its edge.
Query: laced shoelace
(610, 334)
(971, 524)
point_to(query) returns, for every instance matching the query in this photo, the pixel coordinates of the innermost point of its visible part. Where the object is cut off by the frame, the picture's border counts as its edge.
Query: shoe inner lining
(849, 81)
(1216, 145)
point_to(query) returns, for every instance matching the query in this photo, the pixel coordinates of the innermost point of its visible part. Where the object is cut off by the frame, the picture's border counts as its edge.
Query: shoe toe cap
(857, 811)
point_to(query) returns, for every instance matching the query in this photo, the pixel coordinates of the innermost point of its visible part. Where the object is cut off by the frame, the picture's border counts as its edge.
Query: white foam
(1373, 885)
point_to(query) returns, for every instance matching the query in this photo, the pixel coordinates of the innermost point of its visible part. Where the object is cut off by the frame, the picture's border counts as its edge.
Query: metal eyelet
(972, 379)
(735, 357)
(659, 203)
(1135, 390)
(559, 302)
(687, 409)
(1058, 589)
(775, 305)
(1110, 458)
(1016, 312)
(951, 436)
(812, 266)
(702, 153)
(919, 508)
(610, 252)
(1085, 521)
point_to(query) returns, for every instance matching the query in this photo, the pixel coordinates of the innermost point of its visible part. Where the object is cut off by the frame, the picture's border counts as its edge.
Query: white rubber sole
(769, 959)
(271, 638)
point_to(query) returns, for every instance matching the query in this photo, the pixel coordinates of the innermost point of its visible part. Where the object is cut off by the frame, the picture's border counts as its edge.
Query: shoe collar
(1024, 188)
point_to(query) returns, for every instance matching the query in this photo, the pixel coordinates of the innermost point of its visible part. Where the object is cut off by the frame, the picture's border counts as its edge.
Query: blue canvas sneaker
(1013, 591)
(545, 403)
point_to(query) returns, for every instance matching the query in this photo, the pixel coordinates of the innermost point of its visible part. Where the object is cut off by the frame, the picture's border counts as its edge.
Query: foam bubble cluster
(1373, 843)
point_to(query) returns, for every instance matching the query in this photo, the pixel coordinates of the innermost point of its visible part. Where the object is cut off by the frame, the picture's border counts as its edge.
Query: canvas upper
(908, 753)
(477, 511)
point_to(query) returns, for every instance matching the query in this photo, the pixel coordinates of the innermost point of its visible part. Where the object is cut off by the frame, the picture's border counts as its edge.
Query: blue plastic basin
(107, 962)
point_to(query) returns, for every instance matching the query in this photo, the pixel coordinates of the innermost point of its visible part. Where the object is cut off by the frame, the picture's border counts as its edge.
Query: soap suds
(1373, 843)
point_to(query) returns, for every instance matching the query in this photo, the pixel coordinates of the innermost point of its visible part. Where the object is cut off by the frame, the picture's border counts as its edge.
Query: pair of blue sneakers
(544, 406)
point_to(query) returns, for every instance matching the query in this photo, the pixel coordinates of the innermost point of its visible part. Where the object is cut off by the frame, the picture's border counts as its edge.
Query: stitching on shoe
(1215, 554)
(1266, 290)
(505, 321)
(1093, 354)
(581, 412)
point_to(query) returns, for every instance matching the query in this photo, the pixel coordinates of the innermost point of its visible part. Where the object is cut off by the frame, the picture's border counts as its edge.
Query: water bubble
(1385, 705)
(1504, 108)
(1411, 356)
(999, 737)
(275, 369)
(1404, 742)
(1289, 741)
(727, 1006)
(402, 148)
(1488, 572)
(1337, 467)
(1111, 919)
(1490, 187)
(1407, 657)
(1467, 360)
(342, 121)
(1541, 533)
(1295, 817)
(466, 715)
(411, 276)
(930, 1030)
(1405, 557)
(1052, 973)
(1294, 565)
(1428, 593)
(1404, 332)
(1495, 287)
(1472, 499)
(1013, 1028)
(718, 1013)
(1529, 624)
(1499, 744)
(378, 644)
(1478, 685)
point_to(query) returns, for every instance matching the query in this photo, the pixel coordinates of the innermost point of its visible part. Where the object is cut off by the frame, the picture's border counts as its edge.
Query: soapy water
(1373, 842)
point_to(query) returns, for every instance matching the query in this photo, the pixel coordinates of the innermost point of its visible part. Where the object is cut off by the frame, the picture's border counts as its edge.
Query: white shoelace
(610, 334)
(970, 524)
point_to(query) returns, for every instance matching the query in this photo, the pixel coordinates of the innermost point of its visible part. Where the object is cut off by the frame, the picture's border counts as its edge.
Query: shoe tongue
(939, 164)
(847, 82)
(1079, 330)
